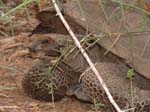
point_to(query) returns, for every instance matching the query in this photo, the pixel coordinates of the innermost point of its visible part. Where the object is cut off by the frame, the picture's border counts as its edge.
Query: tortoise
(121, 48)
(66, 83)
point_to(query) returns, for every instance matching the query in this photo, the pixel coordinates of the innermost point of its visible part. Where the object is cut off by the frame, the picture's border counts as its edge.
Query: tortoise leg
(78, 92)
(42, 84)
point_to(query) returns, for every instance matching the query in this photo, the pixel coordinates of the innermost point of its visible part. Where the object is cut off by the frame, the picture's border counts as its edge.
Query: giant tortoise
(38, 81)
(131, 46)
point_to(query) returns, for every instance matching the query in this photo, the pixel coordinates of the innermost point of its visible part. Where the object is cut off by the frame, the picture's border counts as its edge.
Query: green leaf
(49, 71)
(98, 105)
(130, 73)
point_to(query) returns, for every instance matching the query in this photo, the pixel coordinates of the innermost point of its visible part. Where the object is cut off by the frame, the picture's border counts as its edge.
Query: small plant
(130, 73)
(97, 105)
(51, 86)
(130, 76)
(49, 71)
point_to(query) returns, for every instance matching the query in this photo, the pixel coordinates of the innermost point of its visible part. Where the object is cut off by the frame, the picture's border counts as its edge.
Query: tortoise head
(43, 44)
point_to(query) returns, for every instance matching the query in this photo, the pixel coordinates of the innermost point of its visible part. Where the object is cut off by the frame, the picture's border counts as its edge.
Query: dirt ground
(13, 99)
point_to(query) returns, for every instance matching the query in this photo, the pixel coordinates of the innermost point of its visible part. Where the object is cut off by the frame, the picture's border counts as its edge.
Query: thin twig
(103, 9)
(86, 57)
(116, 40)
(81, 10)
(145, 47)
(7, 68)
(9, 107)
(130, 5)
(14, 9)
